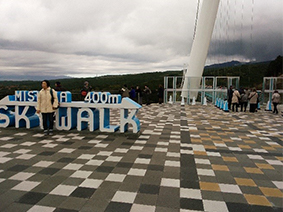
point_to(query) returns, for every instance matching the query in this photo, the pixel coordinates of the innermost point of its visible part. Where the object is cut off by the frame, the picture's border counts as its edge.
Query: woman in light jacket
(253, 100)
(275, 101)
(235, 100)
(46, 107)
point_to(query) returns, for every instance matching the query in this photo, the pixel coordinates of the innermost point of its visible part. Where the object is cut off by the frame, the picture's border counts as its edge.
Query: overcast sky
(96, 37)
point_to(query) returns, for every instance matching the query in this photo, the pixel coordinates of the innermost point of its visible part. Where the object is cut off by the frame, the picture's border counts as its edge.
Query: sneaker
(50, 132)
(45, 132)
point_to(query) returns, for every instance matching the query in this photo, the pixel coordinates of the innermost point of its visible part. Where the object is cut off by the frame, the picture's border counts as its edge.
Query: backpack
(83, 93)
(52, 98)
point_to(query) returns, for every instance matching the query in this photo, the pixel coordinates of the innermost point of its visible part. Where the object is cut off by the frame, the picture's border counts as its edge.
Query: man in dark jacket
(229, 96)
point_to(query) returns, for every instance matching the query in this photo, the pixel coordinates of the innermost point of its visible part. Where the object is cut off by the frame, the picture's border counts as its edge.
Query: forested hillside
(251, 75)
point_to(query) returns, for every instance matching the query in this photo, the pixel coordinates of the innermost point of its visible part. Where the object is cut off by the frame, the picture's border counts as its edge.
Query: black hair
(47, 82)
(58, 83)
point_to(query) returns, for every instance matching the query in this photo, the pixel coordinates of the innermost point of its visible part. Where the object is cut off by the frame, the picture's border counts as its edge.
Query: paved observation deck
(192, 158)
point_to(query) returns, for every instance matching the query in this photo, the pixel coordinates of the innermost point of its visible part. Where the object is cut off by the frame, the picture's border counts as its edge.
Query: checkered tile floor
(192, 158)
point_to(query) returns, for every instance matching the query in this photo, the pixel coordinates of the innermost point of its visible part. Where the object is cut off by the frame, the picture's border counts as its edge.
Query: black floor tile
(31, 198)
(68, 143)
(66, 160)
(82, 192)
(189, 184)
(107, 169)
(155, 167)
(127, 143)
(47, 153)
(18, 168)
(49, 171)
(85, 147)
(124, 165)
(149, 189)
(191, 204)
(236, 207)
(118, 207)
(150, 145)
(64, 210)
(251, 190)
(257, 208)
(145, 156)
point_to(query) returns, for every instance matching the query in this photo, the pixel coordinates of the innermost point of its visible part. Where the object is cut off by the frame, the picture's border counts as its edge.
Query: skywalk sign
(93, 113)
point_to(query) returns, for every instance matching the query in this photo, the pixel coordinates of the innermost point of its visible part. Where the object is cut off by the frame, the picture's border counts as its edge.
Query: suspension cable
(196, 20)
(251, 32)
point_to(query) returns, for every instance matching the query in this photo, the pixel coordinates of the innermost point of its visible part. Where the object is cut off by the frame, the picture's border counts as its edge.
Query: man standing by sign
(87, 88)
(47, 102)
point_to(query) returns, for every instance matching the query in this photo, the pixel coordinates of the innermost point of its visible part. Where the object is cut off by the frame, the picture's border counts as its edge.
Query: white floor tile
(81, 174)
(167, 182)
(205, 172)
(134, 147)
(190, 193)
(202, 161)
(137, 172)
(114, 158)
(21, 176)
(63, 190)
(25, 156)
(279, 184)
(105, 153)
(40, 208)
(4, 159)
(227, 188)
(123, 196)
(86, 156)
(28, 143)
(43, 164)
(73, 166)
(66, 150)
(91, 183)
(8, 146)
(121, 150)
(215, 206)
(172, 163)
(142, 161)
(2, 154)
(26, 186)
(22, 151)
(115, 177)
(159, 149)
(95, 162)
(142, 208)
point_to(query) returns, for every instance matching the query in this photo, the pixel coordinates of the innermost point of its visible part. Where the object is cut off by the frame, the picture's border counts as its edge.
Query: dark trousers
(253, 107)
(146, 96)
(47, 119)
(229, 103)
(244, 105)
(275, 110)
(235, 104)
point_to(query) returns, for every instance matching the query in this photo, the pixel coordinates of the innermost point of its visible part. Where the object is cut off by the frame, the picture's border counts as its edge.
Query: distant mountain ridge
(232, 63)
(31, 77)
(225, 65)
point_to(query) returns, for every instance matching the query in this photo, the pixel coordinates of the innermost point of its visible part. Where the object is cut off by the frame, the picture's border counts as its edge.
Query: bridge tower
(200, 47)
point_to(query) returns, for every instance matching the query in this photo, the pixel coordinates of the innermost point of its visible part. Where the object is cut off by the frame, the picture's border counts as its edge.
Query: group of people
(137, 94)
(242, 97)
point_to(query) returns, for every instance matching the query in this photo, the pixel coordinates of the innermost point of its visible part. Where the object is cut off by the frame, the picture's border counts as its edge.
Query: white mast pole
(200, 47)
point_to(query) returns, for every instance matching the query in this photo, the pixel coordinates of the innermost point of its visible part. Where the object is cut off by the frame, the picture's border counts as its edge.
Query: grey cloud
(59, 37)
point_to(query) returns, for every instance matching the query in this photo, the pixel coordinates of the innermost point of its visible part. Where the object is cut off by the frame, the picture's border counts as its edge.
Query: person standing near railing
(275, 101)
